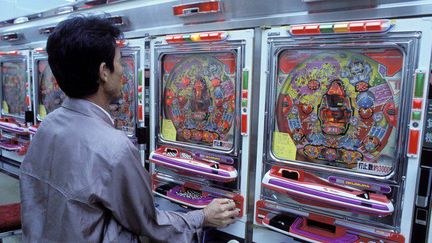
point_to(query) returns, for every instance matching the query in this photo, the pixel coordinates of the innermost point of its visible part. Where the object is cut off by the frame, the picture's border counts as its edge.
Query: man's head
(83, 55)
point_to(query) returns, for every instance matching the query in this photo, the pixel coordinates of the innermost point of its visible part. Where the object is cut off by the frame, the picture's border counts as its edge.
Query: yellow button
(340, 27)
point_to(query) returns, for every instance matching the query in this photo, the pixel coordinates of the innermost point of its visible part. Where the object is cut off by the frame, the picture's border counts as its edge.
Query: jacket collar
(86, 108)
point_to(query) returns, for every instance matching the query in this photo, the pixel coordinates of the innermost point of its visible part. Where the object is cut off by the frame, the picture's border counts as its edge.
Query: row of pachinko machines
(29, 92)
(340, 123)
(340, 126)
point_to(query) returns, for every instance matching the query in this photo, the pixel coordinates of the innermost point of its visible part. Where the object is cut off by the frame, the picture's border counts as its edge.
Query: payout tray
(185, 161)
(311, 189)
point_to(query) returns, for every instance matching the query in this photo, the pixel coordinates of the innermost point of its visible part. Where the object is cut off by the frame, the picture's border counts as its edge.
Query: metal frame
(233, 47)
(277, 45)
(412, 43)
(245, 39)
(134, 52)
(36, 57)
(25, 57)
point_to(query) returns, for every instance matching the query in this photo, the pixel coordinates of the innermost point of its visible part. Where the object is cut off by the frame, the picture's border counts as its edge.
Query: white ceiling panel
(10, 9)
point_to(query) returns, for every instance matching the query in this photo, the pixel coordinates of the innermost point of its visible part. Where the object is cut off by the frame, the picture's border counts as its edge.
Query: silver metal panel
(156, 18)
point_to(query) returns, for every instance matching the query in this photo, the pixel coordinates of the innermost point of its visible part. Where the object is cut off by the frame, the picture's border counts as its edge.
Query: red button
(297, 29)
(413, 141)
(356, 26)
(312, 29)
(374, 25)
(243, 124)
(417, 104)
(245, 94)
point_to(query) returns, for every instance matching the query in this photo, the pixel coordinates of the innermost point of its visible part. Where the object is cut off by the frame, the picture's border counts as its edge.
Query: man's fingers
(222, 200)
(228, 206)
(233, 213)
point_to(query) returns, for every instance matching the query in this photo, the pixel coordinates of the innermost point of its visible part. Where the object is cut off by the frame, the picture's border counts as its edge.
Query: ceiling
(10, 9)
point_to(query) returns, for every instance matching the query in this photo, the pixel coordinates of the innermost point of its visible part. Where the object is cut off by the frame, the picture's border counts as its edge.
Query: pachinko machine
(127, 111)
(16, 104)
(47, 95)
(200, 118)
(341, 115)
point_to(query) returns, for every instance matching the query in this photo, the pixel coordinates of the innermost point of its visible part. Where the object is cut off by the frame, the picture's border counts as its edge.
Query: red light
(244, 124)
(28, 101)
(356, 26)
(212, 36)
(196, 8)
(417, 104)
(9, 53)
(311, 29)
(297, 29)
(140, 112)
(244, 94)
(174, 38)
(413, 141)
(197, 37)
(374, 25)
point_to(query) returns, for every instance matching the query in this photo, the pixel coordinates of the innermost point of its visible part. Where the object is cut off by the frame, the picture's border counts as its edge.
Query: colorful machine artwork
(340, 107)
(123, 111)
(50, 95)
(14, 81)
(199, 96)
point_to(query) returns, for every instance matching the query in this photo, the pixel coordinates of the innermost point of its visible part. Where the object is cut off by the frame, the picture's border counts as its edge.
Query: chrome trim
(219, 47)
(277, 44)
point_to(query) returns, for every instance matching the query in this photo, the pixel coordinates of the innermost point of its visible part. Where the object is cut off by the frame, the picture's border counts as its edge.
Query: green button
(244, 103)
(418, 91)
(187, 38)
(326, 28)
(245, 79)
(416, 115)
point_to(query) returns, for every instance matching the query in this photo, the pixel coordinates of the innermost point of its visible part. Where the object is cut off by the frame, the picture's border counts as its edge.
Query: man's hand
(220, 212)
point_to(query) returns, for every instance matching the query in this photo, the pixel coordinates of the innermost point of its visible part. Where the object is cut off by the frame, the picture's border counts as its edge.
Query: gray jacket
(82, 181)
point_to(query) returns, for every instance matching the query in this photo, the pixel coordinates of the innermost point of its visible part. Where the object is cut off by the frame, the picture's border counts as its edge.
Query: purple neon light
(295, 229)
(13, 129)
(193, 167)
(325, 195)
(11, 147)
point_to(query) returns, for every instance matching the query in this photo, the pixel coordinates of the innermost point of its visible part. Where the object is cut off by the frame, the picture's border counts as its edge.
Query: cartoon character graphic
(335, 111)
(337, 106)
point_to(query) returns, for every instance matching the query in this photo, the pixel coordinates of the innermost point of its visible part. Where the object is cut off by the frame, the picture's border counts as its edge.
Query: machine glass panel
(50, 96)
(123, 110)
(14, 81)
(199, 98)
(338, 107)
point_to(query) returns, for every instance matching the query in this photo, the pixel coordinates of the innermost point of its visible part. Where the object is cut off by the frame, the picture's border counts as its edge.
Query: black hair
(76, 48)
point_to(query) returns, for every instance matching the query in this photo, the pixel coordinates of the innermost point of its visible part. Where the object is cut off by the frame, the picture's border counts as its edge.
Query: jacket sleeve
(129, 196)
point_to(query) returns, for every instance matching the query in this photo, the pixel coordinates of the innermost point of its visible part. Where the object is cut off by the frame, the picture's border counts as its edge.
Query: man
(81, 180)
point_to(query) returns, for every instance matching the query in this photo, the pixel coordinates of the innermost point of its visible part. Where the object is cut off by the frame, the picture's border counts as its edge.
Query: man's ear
(103, 72)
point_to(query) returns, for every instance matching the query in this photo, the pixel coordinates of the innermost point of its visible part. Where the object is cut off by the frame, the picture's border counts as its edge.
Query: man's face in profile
(113, 86)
